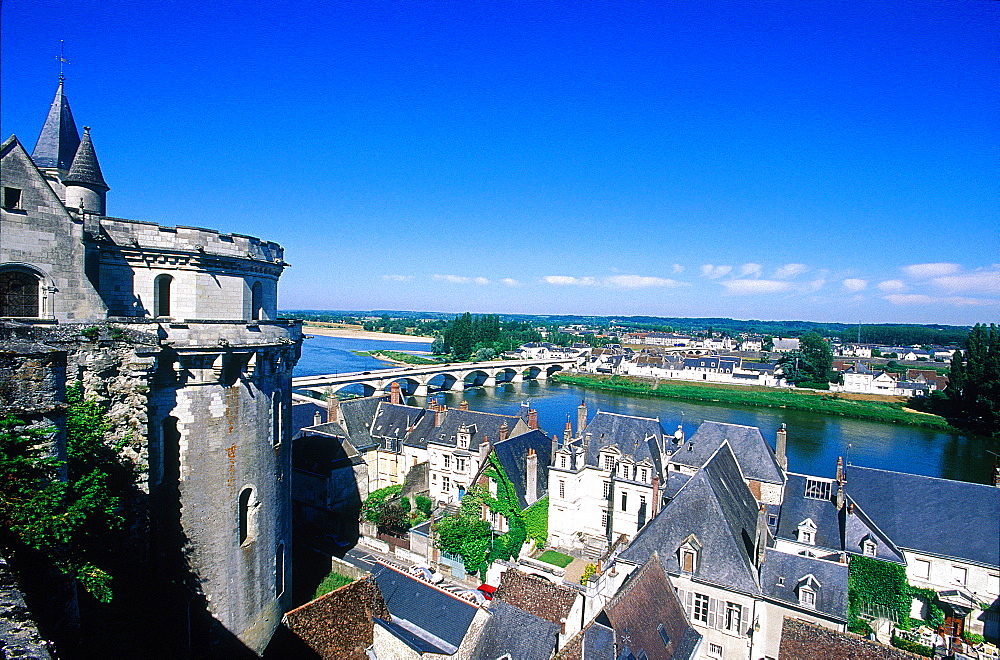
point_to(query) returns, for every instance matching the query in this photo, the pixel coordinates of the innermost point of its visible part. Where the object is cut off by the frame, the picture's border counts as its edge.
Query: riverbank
(819, 402)
(357, 332)
(396, 357)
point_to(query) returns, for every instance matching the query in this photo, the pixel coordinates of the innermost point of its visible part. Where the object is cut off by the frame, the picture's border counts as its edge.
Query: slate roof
(393, 420)
(357, 415)
(907, 507)
(320, 454)
(646, 605)
(421, 612)
(717, 507)
(535, 595)
(755, 456)
(512, 630)
(638, 437)
(512, 454)
(781, 573)
(487, 425)
(675, 481)
(595, 642)
(59, 139)
(85, 168)
(303, 413)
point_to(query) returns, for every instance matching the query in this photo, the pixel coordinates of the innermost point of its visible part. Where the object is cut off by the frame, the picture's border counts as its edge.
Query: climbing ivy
(508, 545)
(875, 582)
(935, 615)
(69, 511)
(536, 518)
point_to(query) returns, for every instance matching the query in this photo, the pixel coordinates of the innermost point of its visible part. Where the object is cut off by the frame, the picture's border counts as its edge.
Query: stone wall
(19, 636)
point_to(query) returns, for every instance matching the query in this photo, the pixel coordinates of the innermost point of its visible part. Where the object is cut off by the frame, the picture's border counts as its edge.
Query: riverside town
(598, 465)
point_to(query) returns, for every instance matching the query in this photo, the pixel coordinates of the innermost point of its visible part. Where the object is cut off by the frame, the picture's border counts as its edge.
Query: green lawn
(397, 356)
(555, 558)
(332, 581)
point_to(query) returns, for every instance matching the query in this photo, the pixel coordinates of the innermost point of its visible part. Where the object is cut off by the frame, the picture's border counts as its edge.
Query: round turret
(85, 186)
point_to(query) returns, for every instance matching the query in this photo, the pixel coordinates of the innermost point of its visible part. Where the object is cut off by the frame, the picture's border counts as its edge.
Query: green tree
(974, 380)
(812, 364)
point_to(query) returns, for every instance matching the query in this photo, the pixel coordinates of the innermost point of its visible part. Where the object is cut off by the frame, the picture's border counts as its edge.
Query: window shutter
(689, 604)
(713, 610)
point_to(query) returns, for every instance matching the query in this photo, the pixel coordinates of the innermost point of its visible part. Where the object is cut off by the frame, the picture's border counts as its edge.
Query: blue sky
(771, 160)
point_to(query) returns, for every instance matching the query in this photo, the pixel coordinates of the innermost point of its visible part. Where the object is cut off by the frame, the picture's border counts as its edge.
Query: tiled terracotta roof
(805, 640)
(339, 624)
(536, 595)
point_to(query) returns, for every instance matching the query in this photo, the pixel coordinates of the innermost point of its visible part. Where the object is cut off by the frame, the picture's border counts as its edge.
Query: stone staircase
(594, 547)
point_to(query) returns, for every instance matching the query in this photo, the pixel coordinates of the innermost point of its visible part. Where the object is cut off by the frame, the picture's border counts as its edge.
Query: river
(814, 440)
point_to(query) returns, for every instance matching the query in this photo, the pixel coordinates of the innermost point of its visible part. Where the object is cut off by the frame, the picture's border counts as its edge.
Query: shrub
(588, 571)
(912, 647)
(973, 638)
(423, 505)
(91, 333)
(332, 581)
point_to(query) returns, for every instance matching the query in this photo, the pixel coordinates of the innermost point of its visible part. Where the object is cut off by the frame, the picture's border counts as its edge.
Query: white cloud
(508, 281)
(750, 287)
(925, 271)
(980, 281)
(677, 269)
(566, 280)
(715, 272)
(397, 278)
(789, 271)
(892, 286)
(459, 279)
(922, 299)
(753, 269)
(853, 284)
(816, 284)
(640, 282)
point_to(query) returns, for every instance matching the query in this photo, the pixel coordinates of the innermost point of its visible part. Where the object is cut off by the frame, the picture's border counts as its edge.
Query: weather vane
(62, 59)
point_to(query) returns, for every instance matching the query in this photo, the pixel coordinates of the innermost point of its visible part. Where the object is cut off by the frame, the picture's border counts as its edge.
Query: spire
(59, 139)
(85, 169)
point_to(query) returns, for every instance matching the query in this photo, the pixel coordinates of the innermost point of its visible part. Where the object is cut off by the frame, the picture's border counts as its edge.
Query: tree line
(973, 392)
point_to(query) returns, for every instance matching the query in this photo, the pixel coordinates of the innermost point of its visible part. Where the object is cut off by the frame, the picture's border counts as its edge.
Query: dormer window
(689, 553)
(609, 462)
(869, 547)
(562, 461)
(645, 475)
(807, 589)
(807, 532)
(463, 437)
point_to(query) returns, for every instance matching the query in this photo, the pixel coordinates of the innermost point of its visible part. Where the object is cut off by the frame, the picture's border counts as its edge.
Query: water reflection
(814, 440)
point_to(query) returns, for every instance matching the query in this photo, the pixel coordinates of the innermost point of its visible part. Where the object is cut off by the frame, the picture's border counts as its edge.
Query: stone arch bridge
(416, 379)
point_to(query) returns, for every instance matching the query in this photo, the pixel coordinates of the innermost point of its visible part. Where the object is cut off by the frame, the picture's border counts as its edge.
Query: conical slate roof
(59, 139)
(86, 170)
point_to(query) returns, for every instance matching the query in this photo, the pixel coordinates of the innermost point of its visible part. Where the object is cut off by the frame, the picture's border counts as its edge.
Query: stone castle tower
(175, 329)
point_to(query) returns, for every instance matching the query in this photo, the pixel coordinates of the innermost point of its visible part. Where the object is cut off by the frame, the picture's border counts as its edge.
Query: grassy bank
(396, 356)
(826, 403)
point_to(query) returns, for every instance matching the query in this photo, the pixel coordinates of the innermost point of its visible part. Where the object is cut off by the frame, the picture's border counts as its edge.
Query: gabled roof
(357, 416)
(894, 500)
(339, 624)
(320, 454)
(512, 454)
(58, 141)
(800, 639)
(513, 631)
(781, 575)
(487, 425)
(755, 456)
(85, 168)
(718, 508)
(638, 437)
(393, 420)
(536, 595)
(423, 616)
(648, 618)
(595, 642)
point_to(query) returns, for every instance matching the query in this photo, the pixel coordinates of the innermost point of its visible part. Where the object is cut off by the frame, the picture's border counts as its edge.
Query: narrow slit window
(161, 295)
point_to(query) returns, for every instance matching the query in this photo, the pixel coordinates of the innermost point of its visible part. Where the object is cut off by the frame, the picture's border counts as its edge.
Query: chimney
(840, 469)
(841, 479)
(568, 433)
(504, 431)
(581, 417)
(484, 450)
(317, 418)
(761, 534)
(531, 477)
(395, 397)
(555, 447)
(439, 413)
(780, 442)
(996, 472)
(656, 495)
(464, 405)
(332, 409)
(532, 419)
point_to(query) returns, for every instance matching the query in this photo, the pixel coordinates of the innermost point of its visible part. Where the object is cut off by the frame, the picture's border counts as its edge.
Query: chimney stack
(841, 479)
(332, 409)
(568, 433)
(464, 405)
(581, 418)
(532, 419)
(484, 450)
(317, 418)
(531, 477)
(395, 397)
(761, 534)
(780, 442)
(504, 431)
(656, 495)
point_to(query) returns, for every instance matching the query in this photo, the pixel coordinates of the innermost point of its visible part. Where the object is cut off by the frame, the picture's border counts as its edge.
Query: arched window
(18, 294)
(247, 522)
(257, 301)
(161, 295)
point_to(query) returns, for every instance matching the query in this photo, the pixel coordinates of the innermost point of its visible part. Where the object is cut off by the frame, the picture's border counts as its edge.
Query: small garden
(332, 581)
(393, 514)
(555, 558)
